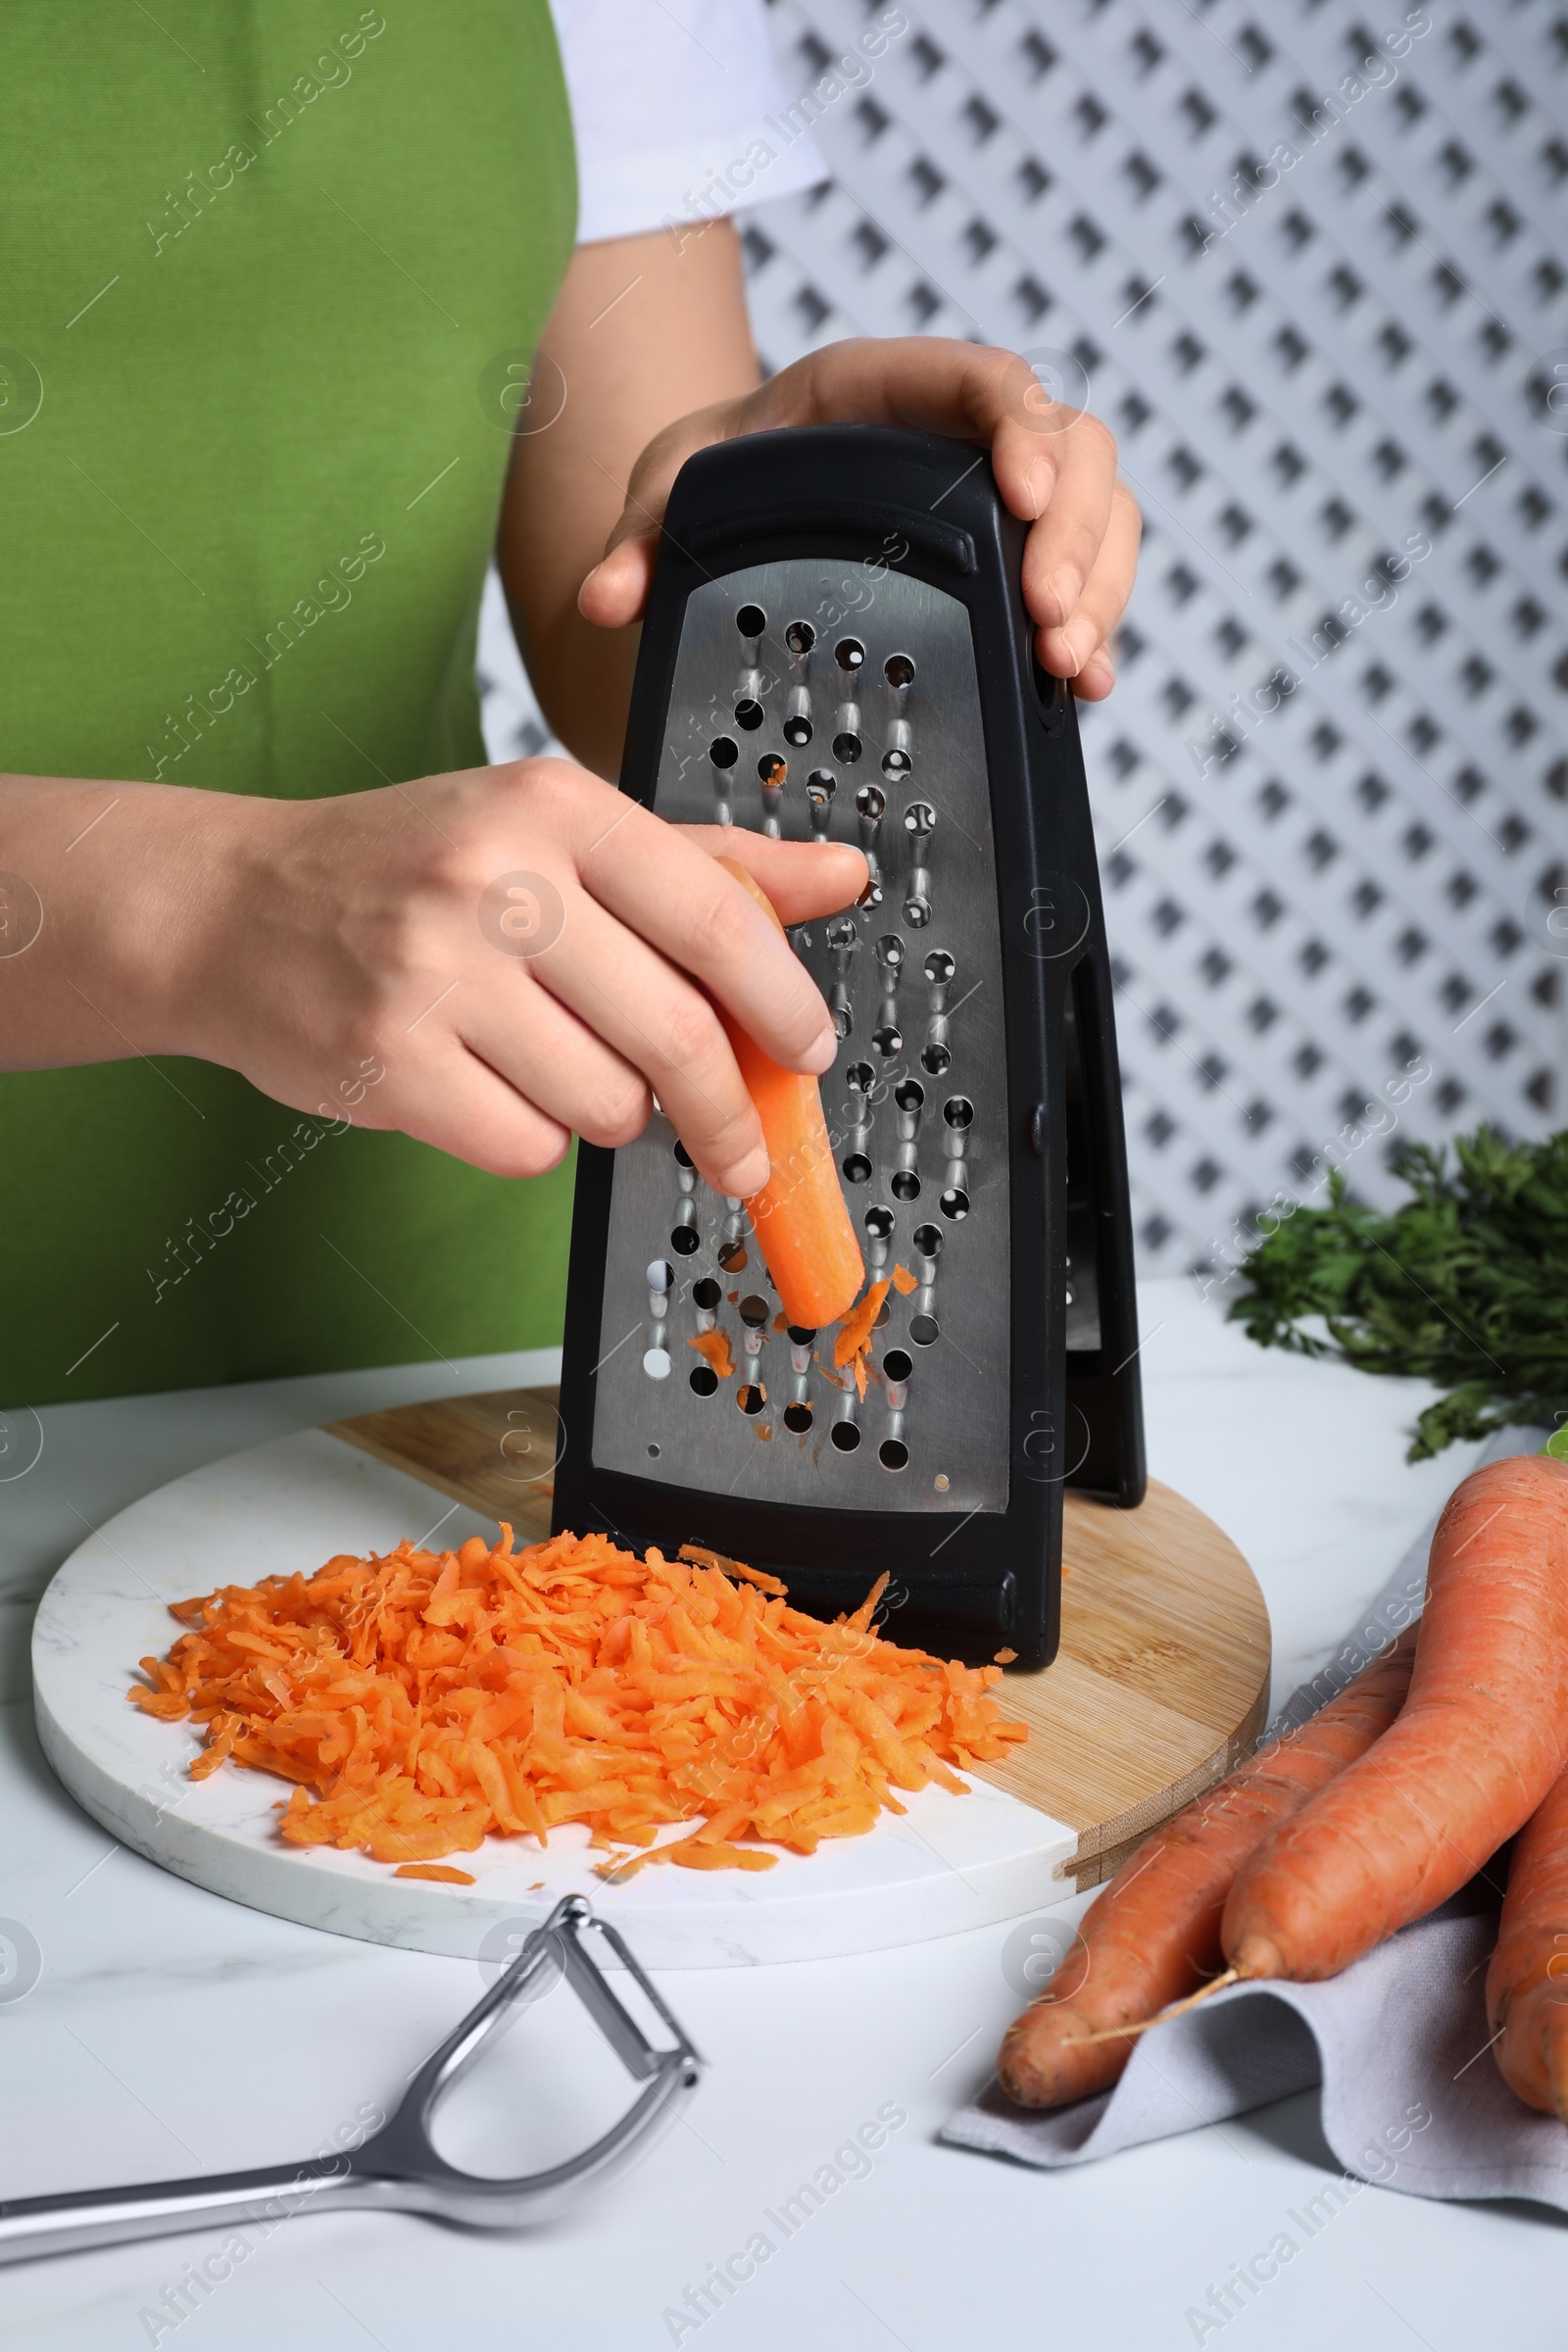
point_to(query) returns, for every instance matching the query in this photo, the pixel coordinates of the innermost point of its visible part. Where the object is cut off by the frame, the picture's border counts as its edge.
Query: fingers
(652, 1017)
(615, 591)
(670, 894)
(1078, 649)
(459, 1105)
(554, 1060)
(802, 878)
(1064, 546)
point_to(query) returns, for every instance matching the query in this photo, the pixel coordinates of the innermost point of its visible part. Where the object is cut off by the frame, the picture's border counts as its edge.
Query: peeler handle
(259, 2200)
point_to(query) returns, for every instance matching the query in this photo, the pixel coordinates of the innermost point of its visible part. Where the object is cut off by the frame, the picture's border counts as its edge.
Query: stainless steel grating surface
(1322, 310)
(819, 721)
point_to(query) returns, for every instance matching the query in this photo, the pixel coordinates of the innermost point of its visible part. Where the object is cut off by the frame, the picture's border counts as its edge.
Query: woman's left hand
(1054, 465)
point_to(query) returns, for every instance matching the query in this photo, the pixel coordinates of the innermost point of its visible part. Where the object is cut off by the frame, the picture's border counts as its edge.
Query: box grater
(836, 649)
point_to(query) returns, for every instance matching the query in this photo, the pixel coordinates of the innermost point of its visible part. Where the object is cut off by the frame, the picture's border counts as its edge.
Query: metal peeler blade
(398, 2168)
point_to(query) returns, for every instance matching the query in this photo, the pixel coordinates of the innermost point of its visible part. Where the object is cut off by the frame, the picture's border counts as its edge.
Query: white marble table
(171, 2032)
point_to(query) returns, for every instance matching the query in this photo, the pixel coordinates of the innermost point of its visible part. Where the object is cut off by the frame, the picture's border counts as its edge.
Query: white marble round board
(948, 1863)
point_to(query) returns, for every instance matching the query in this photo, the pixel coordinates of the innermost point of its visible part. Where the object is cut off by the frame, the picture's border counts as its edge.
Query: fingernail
(1066, 586)
(823, 1055)
(750, 1177)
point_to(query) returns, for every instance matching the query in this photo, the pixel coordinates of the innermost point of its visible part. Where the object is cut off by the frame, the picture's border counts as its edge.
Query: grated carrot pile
(431, 1700)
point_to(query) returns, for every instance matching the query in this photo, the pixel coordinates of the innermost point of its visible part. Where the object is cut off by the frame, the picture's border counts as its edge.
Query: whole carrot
(1480, 1742)
(1527, 1982)
(1153, 1935)
(802, 1225)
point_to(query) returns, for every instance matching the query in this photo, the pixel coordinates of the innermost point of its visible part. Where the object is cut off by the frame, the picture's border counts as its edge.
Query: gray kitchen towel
(1400, 2043)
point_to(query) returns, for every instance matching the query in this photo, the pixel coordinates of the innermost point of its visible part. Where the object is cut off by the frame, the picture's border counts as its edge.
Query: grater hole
(882, 1317)
(890, 954)
(797, 1419)
(958, 1111)
(754, 1311)
(801, 1334)
(820, 784)
(800, 637)
(954, 1203)
(856, 1168)
(845, 1435)
(652, 1453)
(750, 1398)
(683, 1156)
(849, 653)
(924, 1330)
(878, 1222)
(749, 715)
(905, 1184)
(655, 1363)
(685, 1241)
(660, 1274)
(899, 671)
(872, 803)
(917, 912)
(895, 762)
(928, 1240)
(908, 1094)
(771, 769)
(732, 1257)
(798, 729)
(888, 1042)
(893, 1454)
(897, 1366)
(936, 1059)
(939, 967)
(861, 1077)
(724, 750)
(707, 1294)
(751, 620)
(846, 747)
(704, 1380)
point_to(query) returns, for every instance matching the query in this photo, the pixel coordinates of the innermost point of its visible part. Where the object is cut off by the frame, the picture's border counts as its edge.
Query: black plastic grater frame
(924, 509)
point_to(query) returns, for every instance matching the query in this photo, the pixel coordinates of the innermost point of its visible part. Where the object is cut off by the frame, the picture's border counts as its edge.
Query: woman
(277, 276)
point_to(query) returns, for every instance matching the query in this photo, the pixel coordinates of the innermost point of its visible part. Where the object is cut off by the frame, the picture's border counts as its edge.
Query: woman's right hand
(490, 960)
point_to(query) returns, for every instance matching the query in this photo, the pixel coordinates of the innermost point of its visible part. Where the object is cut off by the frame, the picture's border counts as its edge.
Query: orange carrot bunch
(423, 1702)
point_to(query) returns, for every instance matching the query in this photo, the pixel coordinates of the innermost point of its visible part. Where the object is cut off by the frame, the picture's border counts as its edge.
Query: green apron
(262, 266)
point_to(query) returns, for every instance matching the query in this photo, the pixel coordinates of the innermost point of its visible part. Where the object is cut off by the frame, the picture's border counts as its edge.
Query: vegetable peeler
(398, 2169)
(836, 649)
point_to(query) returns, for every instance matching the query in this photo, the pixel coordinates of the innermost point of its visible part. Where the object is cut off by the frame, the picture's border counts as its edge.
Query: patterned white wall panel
(1321, 307)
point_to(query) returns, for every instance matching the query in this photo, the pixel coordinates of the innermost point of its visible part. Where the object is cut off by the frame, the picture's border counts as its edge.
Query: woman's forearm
(644, 329)
(101, 891)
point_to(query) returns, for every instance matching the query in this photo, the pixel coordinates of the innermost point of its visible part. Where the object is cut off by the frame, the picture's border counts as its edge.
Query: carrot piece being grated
(420, 1702)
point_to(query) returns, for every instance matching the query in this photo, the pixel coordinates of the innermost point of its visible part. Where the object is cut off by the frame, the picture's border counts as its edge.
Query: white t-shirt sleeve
(680, 113)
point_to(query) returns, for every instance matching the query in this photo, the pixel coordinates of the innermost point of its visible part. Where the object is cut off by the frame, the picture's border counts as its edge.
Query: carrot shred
(854, 1332)
(903, 1282)
(420, 1702)
(715, 1350)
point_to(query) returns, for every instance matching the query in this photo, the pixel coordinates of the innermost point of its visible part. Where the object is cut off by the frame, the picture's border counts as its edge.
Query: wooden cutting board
(1160, 1685)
